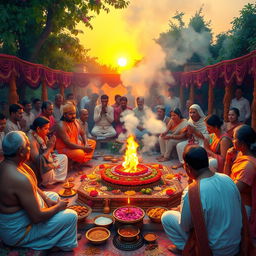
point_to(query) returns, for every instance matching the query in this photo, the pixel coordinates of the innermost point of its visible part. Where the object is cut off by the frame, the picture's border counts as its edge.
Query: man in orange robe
(67, 133)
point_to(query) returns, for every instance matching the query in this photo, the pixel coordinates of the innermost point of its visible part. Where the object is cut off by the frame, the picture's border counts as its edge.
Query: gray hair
(162, 107)
(12, 142)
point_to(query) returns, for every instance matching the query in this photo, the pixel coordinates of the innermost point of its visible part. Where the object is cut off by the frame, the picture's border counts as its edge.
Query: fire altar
(141, 184)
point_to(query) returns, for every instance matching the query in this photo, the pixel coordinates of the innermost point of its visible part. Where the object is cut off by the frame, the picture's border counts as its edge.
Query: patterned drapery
(34, 74)
(229, 71)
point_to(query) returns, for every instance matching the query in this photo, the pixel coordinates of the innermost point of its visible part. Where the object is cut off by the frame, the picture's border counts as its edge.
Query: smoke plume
(145, 21)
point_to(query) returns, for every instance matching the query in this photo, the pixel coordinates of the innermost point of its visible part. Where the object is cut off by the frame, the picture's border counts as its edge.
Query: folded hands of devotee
(231, 154)
(190, 129)
(87, 148)
(103, 111)
(51, 142)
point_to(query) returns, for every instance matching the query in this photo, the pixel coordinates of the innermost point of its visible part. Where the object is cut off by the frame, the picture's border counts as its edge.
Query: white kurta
(221, 206)
(103, 127)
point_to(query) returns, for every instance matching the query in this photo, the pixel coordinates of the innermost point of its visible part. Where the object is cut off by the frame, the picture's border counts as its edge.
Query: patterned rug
(84, 247)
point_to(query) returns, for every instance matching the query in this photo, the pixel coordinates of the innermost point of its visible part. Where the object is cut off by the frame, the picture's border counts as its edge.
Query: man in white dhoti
(28, 216)
(103, 118)
(140, 113)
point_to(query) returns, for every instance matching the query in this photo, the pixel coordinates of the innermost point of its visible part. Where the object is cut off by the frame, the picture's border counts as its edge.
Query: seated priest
(30, 217)
(67, 134)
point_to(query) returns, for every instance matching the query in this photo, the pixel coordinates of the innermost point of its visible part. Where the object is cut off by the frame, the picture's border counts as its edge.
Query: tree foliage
(240, 40)
(180, 39)
(30, 28)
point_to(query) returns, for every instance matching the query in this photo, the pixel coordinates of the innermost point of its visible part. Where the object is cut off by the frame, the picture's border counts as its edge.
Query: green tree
(243, 33)
(30, 27)
(220, 48)
(240, 40)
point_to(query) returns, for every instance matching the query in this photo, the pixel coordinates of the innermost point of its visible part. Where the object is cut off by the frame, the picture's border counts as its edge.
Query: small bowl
(83, 211)
(107, 158)
(106, 216)
(128, 233)
(114, 160)
(117, 219)
(97, 235)
(150, 237)
(155, 216)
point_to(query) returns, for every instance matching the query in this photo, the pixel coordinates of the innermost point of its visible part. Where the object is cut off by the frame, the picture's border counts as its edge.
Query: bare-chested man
(68, 133)
(28, 216)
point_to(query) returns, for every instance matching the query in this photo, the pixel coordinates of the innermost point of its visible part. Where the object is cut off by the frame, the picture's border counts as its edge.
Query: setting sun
(122, 62)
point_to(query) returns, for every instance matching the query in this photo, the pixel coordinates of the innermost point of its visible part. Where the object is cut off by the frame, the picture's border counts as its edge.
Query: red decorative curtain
(34, 74)
(230, 71)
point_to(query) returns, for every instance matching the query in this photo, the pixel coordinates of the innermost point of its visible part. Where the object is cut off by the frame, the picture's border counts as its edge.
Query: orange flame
(128, 200)
(130, 159)
(66, 184)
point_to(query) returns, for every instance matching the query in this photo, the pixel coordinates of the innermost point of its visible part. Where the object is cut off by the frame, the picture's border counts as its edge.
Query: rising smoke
(145, 21)
(150, 123)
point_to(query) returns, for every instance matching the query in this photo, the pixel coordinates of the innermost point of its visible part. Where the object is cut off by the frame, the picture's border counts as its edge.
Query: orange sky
(127, 33)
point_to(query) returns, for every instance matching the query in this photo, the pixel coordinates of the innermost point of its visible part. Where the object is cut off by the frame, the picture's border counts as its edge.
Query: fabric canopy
(34, 74)
(230, 71)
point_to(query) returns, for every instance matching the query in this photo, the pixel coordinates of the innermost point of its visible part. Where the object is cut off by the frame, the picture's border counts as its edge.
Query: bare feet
(159, 157)
(163, 159)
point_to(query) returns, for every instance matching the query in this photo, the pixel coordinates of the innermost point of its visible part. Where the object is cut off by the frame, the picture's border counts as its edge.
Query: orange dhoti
(79, 155)
(71, 131)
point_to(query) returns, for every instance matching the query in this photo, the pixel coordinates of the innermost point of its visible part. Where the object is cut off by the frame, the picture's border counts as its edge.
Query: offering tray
(128, 246)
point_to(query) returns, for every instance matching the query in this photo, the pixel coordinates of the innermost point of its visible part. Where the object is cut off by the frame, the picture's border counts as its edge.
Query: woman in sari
(195, 132)
(171, 137)
(218, 143)
(241, 166)
(233, 121)
(49, 167)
